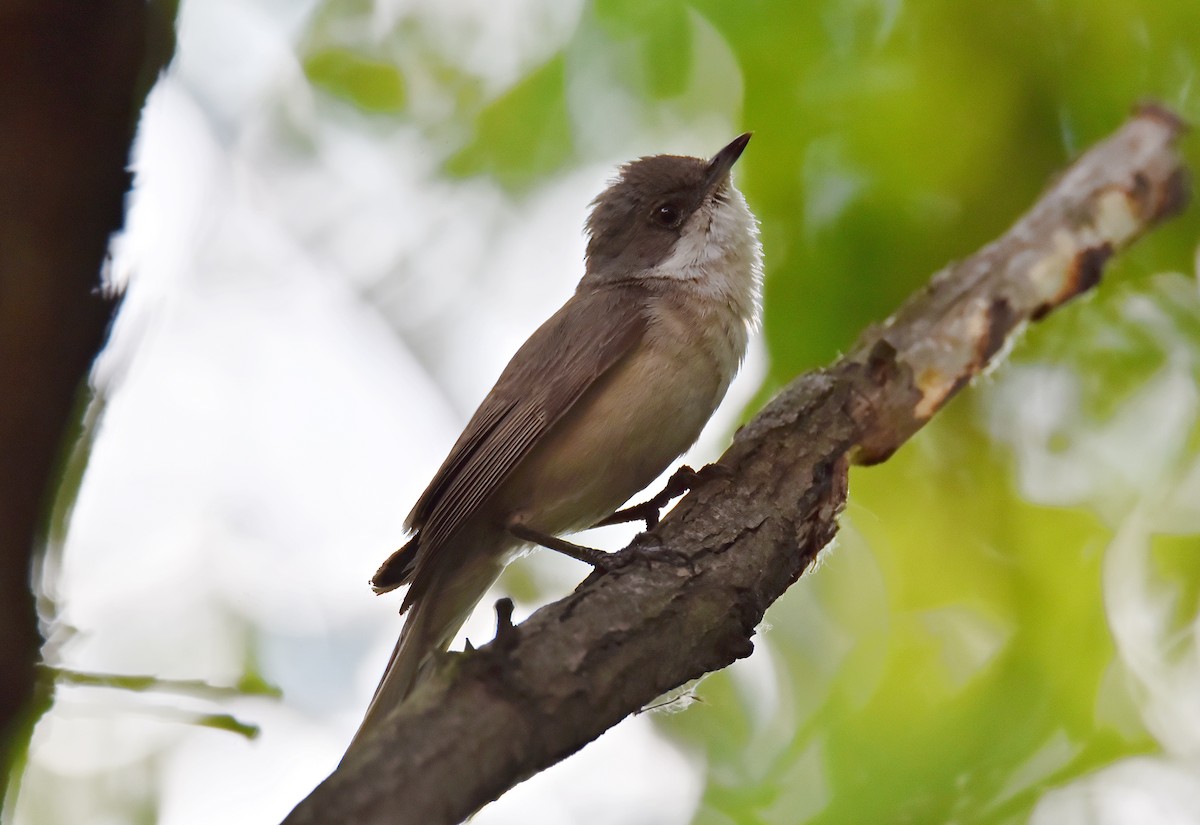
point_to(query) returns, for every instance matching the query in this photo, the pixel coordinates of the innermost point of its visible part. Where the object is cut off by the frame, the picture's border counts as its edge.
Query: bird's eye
(667, 214)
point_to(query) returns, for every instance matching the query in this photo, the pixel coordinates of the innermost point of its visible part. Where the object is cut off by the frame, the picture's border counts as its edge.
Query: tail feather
(414, 647)
(398, 569)
(445, 594)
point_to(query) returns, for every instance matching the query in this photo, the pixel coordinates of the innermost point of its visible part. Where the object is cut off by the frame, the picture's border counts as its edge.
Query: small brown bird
(595, 405)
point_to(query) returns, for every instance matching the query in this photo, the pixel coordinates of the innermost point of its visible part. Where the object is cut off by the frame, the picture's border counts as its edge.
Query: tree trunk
(72, 79)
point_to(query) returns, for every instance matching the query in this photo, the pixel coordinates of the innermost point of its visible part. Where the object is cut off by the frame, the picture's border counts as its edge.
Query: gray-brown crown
(636, 221)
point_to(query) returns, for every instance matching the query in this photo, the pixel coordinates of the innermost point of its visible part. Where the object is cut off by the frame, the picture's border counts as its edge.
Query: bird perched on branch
(594, 406)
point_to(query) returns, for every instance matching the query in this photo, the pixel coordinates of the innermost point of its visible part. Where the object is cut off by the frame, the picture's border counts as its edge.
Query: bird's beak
(722, 162)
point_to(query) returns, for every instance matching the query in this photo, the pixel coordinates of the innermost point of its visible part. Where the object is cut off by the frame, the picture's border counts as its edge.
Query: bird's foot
(683, 480)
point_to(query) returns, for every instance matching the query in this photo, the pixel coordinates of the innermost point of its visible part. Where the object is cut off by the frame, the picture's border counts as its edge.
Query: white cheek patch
(693, 247)
(717, 249)
(719, 229)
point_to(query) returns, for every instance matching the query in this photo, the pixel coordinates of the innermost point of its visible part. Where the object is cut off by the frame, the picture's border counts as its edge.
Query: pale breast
(637, 419)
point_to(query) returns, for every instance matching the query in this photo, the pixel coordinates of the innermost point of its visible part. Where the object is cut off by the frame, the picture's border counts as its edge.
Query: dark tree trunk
(72, 79)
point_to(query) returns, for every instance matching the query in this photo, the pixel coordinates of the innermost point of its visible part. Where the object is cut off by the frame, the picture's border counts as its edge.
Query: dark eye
(667, 214)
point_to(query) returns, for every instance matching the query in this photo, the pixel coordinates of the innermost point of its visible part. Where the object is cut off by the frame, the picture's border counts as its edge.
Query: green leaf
(371, 85)
(523, 135)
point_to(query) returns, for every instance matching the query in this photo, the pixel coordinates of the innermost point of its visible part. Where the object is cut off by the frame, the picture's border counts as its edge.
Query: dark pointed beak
(722, 162)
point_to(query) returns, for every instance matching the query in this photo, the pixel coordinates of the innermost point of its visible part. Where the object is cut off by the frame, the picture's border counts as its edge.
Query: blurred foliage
(961, 650)
(521, 118)
(373, 85)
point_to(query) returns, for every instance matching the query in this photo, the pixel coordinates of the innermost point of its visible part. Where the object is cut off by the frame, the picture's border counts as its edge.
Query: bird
(594, 406)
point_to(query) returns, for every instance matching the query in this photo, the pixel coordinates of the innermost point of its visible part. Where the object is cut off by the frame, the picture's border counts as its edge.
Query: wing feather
(490, 413)
(550, 372)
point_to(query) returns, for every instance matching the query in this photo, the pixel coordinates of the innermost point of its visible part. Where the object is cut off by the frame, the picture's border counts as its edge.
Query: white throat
(719, 254)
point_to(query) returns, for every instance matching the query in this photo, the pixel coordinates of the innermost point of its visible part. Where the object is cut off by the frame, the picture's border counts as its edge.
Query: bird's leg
(588, 555)
(683, 480)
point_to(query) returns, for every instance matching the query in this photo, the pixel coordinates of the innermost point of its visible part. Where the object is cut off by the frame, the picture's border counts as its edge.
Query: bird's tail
(443, 594)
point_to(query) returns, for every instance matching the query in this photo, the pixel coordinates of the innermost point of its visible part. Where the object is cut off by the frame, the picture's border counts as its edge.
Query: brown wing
(549, 373)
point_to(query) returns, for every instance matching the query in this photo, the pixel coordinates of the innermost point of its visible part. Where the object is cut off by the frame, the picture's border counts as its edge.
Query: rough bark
(493, 717)
(72, 76)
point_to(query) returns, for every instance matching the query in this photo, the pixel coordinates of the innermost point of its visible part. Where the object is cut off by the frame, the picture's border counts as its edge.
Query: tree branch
(495, 716)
